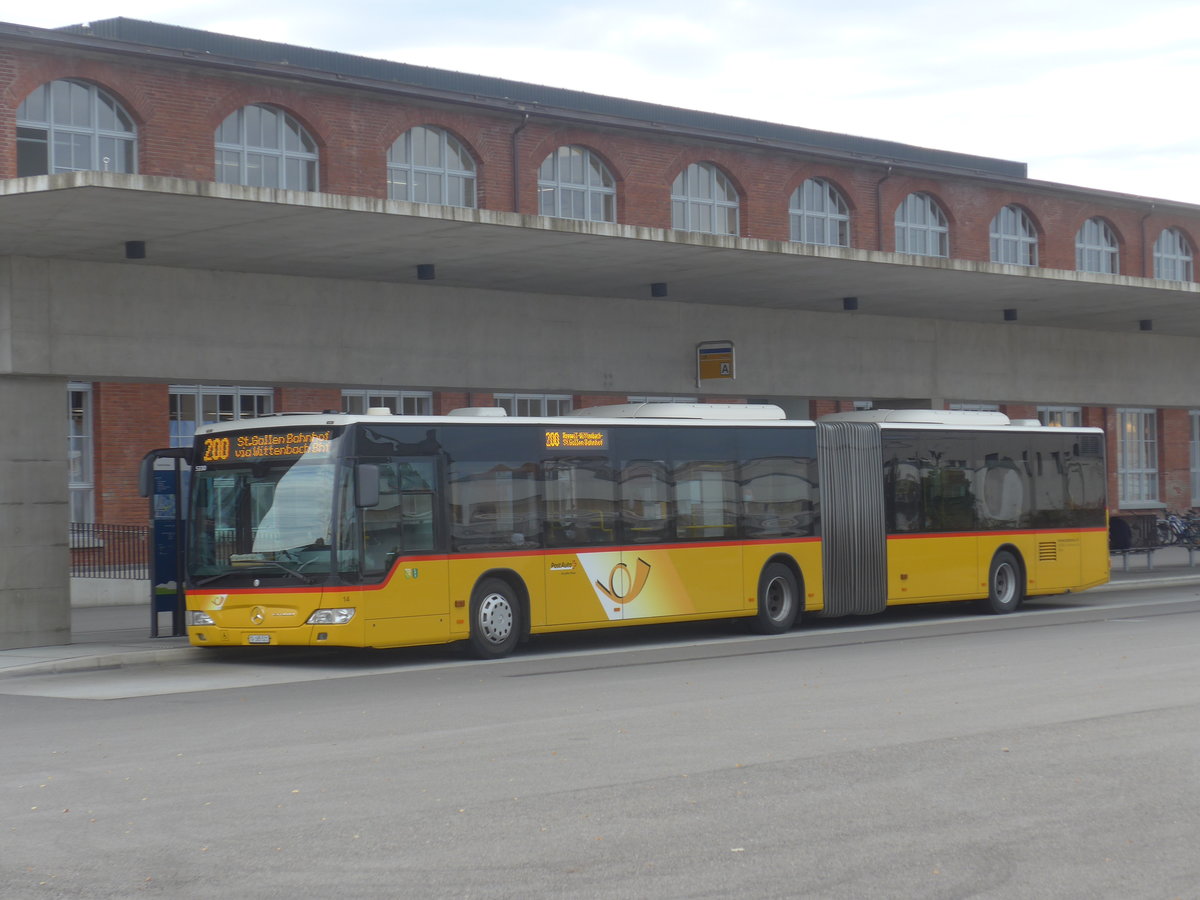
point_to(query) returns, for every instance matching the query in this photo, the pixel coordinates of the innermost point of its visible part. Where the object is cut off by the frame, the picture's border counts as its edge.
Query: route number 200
(216, 449)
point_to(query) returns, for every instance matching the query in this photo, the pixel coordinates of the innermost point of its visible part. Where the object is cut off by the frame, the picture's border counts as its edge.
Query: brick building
(852, 271)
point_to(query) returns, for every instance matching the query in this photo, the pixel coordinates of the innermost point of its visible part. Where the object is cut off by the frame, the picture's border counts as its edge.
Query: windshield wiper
(258, 564)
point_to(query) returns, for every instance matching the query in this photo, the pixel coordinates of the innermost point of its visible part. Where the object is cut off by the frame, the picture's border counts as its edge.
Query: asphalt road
(928, 754)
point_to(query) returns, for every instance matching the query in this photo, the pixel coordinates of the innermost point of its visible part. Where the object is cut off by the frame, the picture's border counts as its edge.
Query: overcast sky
(1096, 93)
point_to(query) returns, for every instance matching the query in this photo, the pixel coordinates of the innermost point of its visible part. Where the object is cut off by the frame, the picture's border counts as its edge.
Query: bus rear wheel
(1006, 584)
(495, 619)
(778, 600)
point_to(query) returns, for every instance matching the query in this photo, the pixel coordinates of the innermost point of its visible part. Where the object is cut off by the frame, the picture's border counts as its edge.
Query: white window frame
(921, 227)
(1137, 458)
(704, 200)
(1096, 248)
(1014, 238)
(82, 128)
(211, 405)
(574, 183)
(81, 472)
(1061, 416)
(534, 405)
(401, 403)
(819, 214)
(427, 164)
(1172, 256)
(261, 145)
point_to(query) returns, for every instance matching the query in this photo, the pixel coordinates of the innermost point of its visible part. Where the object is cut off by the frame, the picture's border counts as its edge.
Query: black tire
(1006, 584)
(495, 619)
(778, 600)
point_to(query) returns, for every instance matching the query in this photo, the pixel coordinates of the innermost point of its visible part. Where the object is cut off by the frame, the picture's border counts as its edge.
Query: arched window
(1014, 239)
(1172, 256)
(72, 126)
(262, 146)
(921, 227)
(1096, 248)
(573, 183)
(703, 199)
(429, 165)
(819, 214)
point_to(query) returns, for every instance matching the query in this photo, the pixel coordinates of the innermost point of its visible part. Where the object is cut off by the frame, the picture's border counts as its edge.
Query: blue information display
(167, 498)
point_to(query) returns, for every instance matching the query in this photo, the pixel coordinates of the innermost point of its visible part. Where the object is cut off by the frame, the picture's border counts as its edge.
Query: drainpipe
(516, 164)
(879, 208)
(1146, 273)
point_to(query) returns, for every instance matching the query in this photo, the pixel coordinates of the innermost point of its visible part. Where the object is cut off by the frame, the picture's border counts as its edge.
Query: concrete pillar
(35, 589)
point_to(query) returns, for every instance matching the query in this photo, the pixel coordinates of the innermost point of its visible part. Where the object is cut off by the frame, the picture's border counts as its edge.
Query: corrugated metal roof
(174, 37)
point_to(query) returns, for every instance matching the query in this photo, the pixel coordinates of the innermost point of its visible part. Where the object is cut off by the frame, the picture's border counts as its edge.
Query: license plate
(258, 639)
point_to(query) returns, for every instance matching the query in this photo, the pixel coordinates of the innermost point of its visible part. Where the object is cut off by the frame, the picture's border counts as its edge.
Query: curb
(105, 660)
(1154, 581)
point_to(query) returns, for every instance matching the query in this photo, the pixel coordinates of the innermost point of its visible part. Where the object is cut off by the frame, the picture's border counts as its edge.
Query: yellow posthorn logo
(622, 589)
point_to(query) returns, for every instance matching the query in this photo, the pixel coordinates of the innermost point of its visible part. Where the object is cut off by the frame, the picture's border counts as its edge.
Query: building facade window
(819, 214)
(574, 183)
(401, 403)
(703, 199)
(1194, 456)
(921, 227)
(262, 146)
(1173, 256)
(81, 481)
(534, 404)
(194, 405)
(655, 398)
(1137, 458)
(968, 406)
(1061, 416)
(1014, 238)
(73, 126)
(430, 165)
(1096, 248)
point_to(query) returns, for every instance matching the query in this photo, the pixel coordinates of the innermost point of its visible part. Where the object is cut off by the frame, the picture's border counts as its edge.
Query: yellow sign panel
(714, 360)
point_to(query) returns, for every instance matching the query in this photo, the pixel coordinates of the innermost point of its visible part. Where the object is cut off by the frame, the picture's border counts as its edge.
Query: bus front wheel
(778, 600)
(1006, 584)
(495, 619)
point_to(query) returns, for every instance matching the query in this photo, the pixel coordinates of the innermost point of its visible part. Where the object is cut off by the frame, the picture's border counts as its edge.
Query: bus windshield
(262, 519)
(262, 506)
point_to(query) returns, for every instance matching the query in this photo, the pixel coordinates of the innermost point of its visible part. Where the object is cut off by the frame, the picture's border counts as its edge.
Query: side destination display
(576, 439)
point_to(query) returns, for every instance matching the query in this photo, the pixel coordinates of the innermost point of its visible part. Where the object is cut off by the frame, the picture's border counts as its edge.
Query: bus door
(932, 516)
(583, 558)
(707, 563)
(402, 538)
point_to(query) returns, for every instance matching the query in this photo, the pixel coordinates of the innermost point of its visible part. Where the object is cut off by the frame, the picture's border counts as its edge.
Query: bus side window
(903, 500)
(778, 497)
(580, 502)
(645, 501)
(705, 500)
(381, 522)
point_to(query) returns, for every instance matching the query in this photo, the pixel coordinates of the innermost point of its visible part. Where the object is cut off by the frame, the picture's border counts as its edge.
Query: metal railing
(109, 551)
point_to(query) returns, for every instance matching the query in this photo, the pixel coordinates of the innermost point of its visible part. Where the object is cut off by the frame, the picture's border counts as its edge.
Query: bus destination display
(266, 445)
(576, 439)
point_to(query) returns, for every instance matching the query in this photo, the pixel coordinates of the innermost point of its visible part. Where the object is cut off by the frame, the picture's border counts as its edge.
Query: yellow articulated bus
(392, 531)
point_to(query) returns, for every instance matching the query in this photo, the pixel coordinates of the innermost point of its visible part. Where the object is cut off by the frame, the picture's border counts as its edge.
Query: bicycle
(1179, 530)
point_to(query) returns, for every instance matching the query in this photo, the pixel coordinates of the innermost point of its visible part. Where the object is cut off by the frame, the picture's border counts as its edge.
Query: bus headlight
(196, 617)
(338, 616)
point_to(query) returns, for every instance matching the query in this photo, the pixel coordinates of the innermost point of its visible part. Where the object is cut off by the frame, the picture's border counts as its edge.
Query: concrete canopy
(89, 216)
